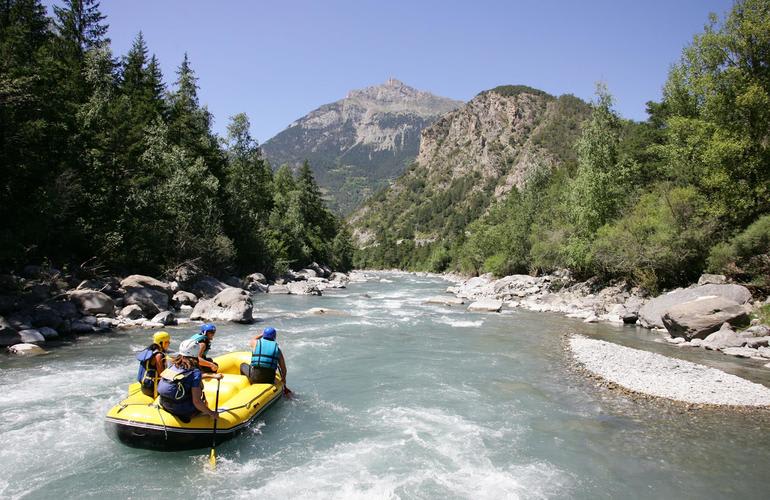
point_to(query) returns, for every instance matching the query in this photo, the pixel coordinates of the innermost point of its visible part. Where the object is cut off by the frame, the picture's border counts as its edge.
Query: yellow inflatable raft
(139, 421)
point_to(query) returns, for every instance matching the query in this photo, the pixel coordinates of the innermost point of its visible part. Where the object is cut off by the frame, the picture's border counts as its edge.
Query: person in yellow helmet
(152, 361)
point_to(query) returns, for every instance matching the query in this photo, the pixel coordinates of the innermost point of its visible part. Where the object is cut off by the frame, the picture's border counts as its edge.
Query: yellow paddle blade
(213, 459)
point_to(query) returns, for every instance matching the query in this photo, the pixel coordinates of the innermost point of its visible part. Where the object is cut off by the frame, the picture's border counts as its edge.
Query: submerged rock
(26, 350)
(486, 305)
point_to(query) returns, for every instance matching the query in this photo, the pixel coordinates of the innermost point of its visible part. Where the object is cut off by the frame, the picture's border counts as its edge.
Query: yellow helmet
(161, 337)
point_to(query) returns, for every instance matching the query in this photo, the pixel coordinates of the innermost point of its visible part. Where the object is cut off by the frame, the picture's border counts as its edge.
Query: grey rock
(91, 320)
(486, 305)
(150, 300)
(79, 326)
(763, 352)
(303, 288)
(712, 279)
(207, 287)
(139, 281)
(257, 288)
(756, 342)
(307, 273)
(756, 331)
(255, 278)
(278, 289)
(45, 315)
(341, 277)
(234, 282)
(651, 313)
(8, 334)
(165, 318)
(231, 304)
(182, 298)
(31, 336)
(698, 318)
(675, 340)
(92, 302)
(132, 312)
(696, 342)
(65, 309)
(187, 274)
(322, 311)
(722, 339)
(26, 350)
(48, 333)
(445, 300)
(740, 352)
(110, 286)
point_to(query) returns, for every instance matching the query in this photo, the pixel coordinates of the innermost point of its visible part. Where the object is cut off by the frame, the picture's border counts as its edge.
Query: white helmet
(189, 348)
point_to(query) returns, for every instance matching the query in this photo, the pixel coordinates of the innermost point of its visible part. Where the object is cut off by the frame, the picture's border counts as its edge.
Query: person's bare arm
(200, 405)
(282, 368)
(160, 363)
(255, 339)
(202, 361)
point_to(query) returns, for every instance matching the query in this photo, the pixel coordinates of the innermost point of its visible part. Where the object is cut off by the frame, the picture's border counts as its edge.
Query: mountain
(468, 160)
(356, 145)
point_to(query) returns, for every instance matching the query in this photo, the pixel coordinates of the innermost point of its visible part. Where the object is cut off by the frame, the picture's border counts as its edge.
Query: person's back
(181, 388)
(266, 357)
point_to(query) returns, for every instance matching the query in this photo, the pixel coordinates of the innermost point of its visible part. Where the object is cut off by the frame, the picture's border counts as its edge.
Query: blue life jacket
(175, 390)
(266, 354)
(201, 337)
(147, 370)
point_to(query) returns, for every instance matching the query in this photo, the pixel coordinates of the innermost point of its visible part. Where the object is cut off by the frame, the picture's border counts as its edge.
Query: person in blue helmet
(266, 356)
(203, 339)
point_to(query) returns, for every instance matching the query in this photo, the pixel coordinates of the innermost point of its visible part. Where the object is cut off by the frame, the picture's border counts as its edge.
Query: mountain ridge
(357, 144)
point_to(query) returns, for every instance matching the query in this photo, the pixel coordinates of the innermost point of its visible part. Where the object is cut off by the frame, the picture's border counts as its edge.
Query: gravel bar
(657, 375)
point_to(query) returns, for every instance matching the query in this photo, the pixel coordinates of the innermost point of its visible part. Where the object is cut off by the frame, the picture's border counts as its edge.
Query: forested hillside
(104, 163)
(656, 202)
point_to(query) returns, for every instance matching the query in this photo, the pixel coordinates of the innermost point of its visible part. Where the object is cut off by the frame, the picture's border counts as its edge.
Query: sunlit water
(397, 399)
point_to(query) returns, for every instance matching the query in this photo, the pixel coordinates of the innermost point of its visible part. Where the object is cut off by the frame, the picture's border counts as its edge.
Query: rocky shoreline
(711, 314)
(43, 305)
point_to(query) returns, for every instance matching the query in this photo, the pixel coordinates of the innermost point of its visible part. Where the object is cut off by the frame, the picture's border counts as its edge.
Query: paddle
(213, 455)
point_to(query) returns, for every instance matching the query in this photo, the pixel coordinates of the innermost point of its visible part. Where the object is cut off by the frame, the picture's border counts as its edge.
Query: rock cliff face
(471, 157)
(358, 144)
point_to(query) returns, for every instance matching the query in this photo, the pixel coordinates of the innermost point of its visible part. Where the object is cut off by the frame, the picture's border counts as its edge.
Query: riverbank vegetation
(102, 161)
(656, 202)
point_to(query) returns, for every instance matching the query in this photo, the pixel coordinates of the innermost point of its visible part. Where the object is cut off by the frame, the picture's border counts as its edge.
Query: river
(396, 399)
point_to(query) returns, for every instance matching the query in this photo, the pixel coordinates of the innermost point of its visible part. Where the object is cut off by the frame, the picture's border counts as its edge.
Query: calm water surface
(396, 399)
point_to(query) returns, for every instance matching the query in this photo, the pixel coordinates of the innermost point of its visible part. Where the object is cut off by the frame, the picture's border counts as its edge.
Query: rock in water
(303, 288)
(207, 287)
(231, 304)
(165, 318)
(723, 338)
(132, 312)
(26, 350)
(92, 302)
(486, 305)
(447, 300)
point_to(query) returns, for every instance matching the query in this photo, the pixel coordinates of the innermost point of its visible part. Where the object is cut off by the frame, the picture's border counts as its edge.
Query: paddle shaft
(216, 420)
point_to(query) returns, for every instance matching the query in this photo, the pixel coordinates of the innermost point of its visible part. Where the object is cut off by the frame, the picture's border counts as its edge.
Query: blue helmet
(268, 333)
(208, 327)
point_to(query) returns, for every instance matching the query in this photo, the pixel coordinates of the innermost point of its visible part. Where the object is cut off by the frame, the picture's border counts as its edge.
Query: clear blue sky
(276, 61)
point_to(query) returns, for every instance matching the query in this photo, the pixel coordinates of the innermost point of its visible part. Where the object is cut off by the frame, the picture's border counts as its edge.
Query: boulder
(757, 342)
(26, 350)
(486, 305)
(48, 332)
(341, 277)
(207, 287)
(8, 334)
(307, 273)
(741, 352)
(257, 288)
(132, 312)
(722, 339)
(318, 270)
(278, 289)
(186, 275)
(231, 304)
(712, 279)
(165, 318)
(31, 336)
(182, 298)
(110, 286)
(254, 279)
(756, 331)
(234, 282)
(79, 326)
(65, 309)
(303, 288)
(150, 300)
(45, 315)
(10, 303)
(138, 281)
(698, 318)
(445, 300)
(651, 313)
(92, 302)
